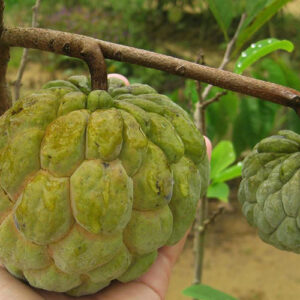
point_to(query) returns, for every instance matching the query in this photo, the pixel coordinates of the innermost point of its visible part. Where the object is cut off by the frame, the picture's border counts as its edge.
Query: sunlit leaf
(262, 18)
(219, 190)
(229, 173)
(259, 50)
(190, 90)
(204, 292)
(223, 155)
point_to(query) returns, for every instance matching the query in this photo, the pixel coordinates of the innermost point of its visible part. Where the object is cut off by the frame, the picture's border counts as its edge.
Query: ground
(239, 263)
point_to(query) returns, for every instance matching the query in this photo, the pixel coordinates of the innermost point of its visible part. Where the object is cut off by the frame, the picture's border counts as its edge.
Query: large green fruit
(270, 190)
(92, 184)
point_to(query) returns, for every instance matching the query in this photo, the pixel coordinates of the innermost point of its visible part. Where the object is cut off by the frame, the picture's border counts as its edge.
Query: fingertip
(208, 147)
(119, 76)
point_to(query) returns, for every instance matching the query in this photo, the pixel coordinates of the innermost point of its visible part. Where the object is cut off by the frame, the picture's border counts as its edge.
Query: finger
(119, 76)
(208, 147)
(128, 291)
(12, 288)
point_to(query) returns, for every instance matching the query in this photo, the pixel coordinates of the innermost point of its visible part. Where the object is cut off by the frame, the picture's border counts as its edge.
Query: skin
(152, 285)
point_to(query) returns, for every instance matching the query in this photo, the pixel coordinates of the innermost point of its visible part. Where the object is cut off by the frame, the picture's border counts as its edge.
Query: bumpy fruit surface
(92, 184)
(270, 190)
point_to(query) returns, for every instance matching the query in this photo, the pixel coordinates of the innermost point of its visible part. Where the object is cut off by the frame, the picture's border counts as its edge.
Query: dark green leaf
(253, 7)
(223, 13)
(204, 292)
(254, 122)
(221, 114)
(223, 155)
(259, 50)
(190, 90)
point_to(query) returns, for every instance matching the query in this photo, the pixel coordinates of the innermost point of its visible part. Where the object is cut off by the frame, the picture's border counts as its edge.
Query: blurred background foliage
(180, 28)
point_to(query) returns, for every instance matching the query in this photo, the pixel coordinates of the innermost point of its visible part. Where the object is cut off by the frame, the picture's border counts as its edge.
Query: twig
(214, 99)
(230, 45)
(24, 60)
(44, 39)
(199, 240)
(228, 51)
(198, 114)
(200, 59)
(211, 219)
(199, 118)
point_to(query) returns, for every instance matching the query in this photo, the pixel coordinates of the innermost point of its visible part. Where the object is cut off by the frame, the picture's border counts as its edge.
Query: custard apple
(93, 183)
(270, 190)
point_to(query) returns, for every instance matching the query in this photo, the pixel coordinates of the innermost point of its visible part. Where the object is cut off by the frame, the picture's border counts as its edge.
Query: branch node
(67, 49)
(181, 70)
(118, 54)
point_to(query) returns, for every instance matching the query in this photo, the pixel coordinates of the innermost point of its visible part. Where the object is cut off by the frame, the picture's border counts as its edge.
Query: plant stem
(199, 117)
(199, 241)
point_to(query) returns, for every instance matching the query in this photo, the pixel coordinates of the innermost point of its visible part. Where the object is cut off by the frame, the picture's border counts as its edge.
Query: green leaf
(223, 13)
(204, 292)
(262, 18)
(219, 190)
(221, 114)
(222, 156)
(254, 122)
(229, 173)
(253, 7)
(259, 50)
(190, 90)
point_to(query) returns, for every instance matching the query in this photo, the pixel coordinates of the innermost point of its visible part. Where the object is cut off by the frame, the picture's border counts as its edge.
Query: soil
(237, 262)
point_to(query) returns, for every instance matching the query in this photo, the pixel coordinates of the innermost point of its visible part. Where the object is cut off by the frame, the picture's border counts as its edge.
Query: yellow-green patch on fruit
(63, 147)
(104, 134)
(148, 230)
(94, 183)
(45, 200)
(92, 190)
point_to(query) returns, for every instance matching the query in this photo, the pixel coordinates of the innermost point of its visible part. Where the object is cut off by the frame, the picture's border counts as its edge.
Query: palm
(151, 286)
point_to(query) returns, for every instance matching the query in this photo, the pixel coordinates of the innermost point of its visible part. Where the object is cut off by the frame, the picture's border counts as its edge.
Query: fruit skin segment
(103, 179)
(270, 190)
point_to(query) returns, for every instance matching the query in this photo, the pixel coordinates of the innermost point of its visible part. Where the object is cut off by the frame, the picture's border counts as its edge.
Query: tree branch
(67, 44)
(5, 99)
(17, 83)
(64, 43)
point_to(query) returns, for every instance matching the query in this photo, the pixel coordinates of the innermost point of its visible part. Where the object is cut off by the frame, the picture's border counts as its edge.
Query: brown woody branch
(5, 99)
(69, 44)
(73, 45)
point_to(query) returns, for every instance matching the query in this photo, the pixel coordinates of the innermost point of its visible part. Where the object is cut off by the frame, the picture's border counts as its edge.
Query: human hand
(152, 285)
